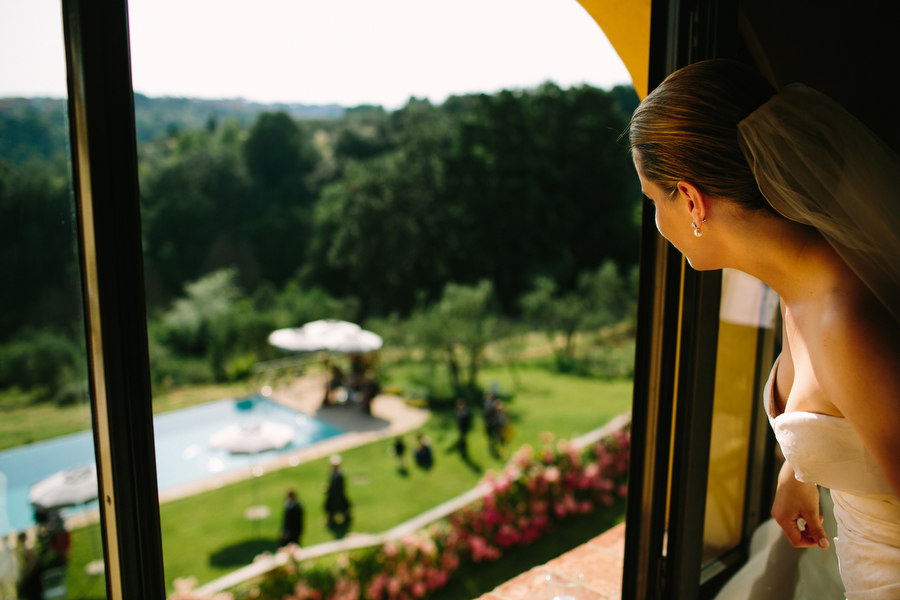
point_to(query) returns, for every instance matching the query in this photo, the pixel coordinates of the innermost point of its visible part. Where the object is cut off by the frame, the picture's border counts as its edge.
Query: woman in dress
(792, 190)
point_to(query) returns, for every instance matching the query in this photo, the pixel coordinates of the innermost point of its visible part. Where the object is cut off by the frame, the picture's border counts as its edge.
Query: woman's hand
(796, 510)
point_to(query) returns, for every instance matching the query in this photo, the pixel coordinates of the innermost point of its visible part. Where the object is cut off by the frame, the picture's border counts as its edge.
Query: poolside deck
(390, 416)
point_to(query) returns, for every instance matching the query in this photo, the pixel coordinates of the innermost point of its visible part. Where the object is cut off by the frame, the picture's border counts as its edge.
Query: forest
(441, 225)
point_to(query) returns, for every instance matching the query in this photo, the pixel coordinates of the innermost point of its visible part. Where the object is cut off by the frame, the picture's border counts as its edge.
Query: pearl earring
(697, 231)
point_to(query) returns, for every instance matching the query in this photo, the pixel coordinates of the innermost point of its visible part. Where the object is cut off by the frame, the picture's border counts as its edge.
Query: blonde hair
(686, 129)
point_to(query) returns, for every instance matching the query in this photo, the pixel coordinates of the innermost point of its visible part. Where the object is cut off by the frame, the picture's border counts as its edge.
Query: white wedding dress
(826, 450)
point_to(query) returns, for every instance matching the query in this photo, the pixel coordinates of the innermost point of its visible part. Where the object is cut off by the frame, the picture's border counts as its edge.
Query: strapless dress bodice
(824, 449)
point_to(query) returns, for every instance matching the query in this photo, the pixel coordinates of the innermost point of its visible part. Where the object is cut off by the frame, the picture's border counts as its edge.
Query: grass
(207, 536)
(26, 421)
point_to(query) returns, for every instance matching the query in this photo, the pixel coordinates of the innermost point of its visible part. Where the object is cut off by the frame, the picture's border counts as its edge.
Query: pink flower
(524, 456)
(436, 579)
(603, 484)
(391, 549)
(530, 535)
(507, 536)
(418, 589)
(513, 471)
(377, 586)
(481, 550)
(428, 547)
(393, 587)
(622, 490)
(574, 457)
(303, 591)
(492, 517)
(346, 589)
(551, 474)
(450, 561)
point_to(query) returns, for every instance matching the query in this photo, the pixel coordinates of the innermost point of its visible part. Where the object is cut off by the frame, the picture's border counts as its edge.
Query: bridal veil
(818, 165)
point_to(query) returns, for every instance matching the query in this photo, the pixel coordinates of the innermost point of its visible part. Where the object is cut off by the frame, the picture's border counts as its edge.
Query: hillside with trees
(258, 217)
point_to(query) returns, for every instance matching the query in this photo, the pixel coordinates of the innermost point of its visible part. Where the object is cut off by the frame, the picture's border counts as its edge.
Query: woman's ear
(694, 201)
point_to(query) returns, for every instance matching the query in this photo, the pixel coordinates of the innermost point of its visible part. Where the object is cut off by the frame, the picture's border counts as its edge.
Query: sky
(347, 52)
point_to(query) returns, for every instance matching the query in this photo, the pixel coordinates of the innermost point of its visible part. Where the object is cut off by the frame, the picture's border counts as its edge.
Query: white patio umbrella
(252, 438)
(67, 488)
(71, 487)
(326, 334)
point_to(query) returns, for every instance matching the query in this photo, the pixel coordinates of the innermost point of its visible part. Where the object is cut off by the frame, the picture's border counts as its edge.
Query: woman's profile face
(665, 207)
(673, 221)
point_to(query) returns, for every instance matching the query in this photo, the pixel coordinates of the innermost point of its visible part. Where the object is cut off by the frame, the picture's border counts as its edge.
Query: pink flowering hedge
(537, 489)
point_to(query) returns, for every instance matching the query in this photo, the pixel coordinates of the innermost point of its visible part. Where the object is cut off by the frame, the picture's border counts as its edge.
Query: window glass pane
(746, 306)
(48, 487)
(425, 221)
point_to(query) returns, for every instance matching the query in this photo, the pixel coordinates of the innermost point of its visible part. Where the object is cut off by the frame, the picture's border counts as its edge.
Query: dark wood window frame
(678, 317)
(104, 164)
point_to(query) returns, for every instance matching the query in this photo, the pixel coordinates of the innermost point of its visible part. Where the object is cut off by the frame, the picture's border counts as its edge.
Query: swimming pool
(182, 452)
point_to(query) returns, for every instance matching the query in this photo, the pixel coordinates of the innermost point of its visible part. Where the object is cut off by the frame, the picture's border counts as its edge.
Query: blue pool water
(182, 453)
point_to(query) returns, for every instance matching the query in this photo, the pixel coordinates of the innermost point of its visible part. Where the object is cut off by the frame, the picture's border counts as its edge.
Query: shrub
(42, 359)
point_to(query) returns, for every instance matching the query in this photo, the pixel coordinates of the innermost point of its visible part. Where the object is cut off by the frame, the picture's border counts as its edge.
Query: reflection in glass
(747, 306)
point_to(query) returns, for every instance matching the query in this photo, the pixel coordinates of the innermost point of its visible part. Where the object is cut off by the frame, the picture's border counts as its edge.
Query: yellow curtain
(626, 24)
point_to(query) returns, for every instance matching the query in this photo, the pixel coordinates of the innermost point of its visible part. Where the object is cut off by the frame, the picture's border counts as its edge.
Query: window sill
(599, 560)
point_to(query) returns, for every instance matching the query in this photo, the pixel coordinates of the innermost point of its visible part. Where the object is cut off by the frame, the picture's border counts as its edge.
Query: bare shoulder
(857, 362)
(858, 347)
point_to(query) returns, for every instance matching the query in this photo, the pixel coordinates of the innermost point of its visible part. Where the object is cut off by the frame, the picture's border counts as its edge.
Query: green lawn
(207, 535)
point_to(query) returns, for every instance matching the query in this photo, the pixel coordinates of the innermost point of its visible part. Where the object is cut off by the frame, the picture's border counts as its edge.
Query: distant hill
(156, 115)
(30, 126)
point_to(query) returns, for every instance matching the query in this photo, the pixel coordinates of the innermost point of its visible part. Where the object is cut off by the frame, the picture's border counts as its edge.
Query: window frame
(107, 200)
(676, 346)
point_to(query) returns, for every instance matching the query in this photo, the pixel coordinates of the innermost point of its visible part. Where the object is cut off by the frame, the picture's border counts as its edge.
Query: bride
(791, 189)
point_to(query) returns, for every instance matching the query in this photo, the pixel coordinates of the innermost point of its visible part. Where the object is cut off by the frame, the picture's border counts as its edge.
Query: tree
(459, 327)
(279, 154)
(546, 309)
(383, 232)
(532, 169)
(187, 326)
(196, 206)
(38, 255)
(601, 298)
(280, 159)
